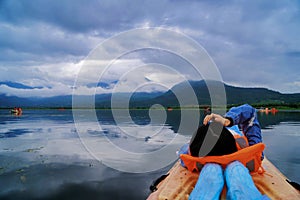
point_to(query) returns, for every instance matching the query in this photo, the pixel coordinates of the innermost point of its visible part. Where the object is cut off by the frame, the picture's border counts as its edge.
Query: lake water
(45, 155)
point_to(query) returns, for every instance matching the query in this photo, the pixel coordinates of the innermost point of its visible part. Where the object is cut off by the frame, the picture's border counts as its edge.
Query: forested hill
(234, 95)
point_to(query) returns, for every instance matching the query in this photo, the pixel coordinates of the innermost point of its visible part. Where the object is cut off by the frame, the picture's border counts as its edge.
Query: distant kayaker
(221, 131)
(16, 111)
(207, 111)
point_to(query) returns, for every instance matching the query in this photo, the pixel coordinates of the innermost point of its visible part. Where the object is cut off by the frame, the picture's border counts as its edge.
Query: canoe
(180, 182)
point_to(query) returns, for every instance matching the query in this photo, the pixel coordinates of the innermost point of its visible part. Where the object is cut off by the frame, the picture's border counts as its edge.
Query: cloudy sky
(43, 43)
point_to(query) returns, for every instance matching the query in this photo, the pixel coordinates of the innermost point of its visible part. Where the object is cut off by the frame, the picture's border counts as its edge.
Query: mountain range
(234, 95)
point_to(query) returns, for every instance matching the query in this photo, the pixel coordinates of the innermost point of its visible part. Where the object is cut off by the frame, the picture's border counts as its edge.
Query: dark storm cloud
(80, 15)
(58, 29)
(243, 23)
(294, 54)
(247, 39)
(38, 41)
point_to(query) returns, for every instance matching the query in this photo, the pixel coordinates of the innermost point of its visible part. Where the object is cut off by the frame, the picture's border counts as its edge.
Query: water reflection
(42, 157)
(269, 120)
(282, 147)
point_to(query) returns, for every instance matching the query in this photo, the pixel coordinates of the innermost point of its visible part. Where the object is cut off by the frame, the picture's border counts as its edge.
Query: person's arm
(245, 117)
(216, 118)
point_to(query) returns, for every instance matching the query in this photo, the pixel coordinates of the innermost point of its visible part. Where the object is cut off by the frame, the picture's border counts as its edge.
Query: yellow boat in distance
(180, 183)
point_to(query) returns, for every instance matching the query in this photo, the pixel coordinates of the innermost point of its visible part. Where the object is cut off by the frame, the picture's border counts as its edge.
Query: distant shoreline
(282, 108)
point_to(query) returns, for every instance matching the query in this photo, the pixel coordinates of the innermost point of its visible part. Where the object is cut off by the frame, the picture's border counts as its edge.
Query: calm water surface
(42, 156)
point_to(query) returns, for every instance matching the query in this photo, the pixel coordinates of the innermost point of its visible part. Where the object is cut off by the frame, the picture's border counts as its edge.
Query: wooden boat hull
(180, 183)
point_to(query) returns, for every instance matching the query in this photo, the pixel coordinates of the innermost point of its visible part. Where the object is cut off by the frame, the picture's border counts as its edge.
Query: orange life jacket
(249, 156)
